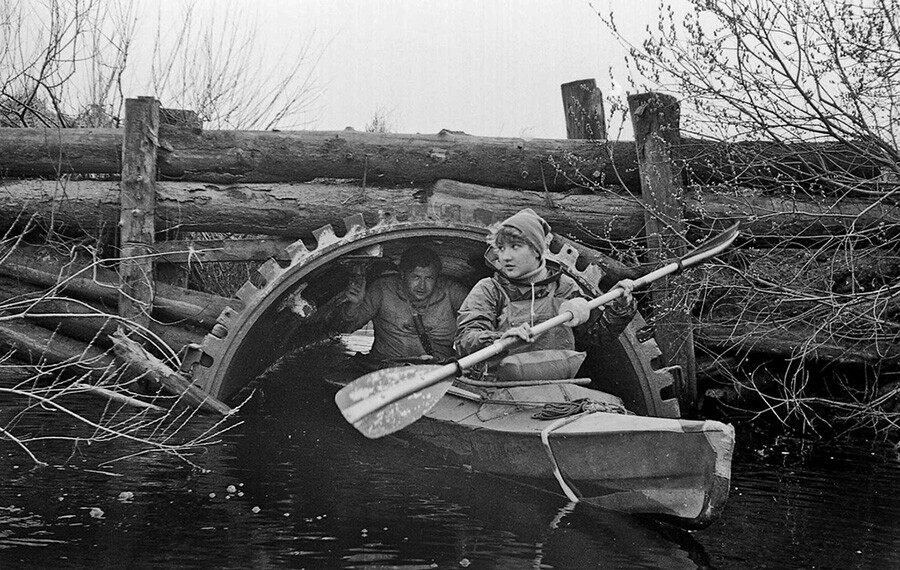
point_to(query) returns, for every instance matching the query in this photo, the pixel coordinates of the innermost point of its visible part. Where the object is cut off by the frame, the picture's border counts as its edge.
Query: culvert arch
(291, 303)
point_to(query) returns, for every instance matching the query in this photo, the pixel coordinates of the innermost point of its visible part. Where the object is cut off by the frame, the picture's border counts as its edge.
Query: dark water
(296, 487)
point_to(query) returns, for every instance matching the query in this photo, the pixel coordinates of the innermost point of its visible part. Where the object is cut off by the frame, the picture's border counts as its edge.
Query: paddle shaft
(384, 398)
(371, 403)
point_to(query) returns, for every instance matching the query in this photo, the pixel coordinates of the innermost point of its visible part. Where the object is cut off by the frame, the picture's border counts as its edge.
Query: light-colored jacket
(496, 304)
(392, 315)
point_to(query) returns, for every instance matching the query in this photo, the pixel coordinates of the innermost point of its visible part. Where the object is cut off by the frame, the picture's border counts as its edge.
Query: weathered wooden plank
(656, 129)
(137, 214)
(583, 107)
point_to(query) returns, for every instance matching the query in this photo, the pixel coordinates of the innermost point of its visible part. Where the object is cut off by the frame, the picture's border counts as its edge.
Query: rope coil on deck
(555, 410)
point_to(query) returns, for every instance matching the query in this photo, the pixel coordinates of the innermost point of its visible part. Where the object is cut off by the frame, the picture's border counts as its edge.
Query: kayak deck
(623, 462)
(678, 469)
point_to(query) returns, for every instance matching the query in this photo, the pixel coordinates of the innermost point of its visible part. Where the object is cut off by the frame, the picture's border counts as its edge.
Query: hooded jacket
(498, 303)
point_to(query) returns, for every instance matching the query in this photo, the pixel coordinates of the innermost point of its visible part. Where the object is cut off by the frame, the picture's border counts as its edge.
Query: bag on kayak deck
(540, 365)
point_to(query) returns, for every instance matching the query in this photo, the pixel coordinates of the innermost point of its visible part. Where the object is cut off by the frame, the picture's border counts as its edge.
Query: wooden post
(138, 209)
(583, 105)
(655, 118)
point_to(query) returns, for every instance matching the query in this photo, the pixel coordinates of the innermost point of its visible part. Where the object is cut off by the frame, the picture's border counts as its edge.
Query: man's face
(418, 284)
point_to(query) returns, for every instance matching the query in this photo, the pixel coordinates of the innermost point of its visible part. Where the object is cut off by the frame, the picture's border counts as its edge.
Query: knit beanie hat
(534, 228)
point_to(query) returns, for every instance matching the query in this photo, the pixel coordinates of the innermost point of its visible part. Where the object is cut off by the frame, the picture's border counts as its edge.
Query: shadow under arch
(294, 303)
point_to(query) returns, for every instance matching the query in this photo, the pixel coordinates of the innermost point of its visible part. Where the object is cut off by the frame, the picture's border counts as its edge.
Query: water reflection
(824, 506)
(294, 486)
(387, 502)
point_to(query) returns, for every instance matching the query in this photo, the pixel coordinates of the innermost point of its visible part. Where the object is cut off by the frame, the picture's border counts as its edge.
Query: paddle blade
(397, 415)
(711, 247)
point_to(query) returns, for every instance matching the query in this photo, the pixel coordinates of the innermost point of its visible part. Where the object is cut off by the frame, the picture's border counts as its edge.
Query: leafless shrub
(815, 85)
(90, 398)
(66, 63)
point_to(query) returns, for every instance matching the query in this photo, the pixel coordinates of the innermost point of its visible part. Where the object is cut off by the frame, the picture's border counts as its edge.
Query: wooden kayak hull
(670, 468)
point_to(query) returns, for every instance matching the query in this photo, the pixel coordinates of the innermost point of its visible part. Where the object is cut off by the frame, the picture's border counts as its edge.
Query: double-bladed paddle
(390, 399)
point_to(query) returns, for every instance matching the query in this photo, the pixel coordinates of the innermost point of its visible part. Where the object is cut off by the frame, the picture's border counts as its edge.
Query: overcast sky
(490, 68)
(486, 67)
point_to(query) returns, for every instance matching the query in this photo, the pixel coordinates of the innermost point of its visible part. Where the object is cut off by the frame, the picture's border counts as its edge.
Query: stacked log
(389, 159)
(60, 315)
(289, 212)
(273, 184)
(294, 211)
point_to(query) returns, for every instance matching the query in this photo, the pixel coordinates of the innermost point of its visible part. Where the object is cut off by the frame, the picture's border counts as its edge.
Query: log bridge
(148, 195)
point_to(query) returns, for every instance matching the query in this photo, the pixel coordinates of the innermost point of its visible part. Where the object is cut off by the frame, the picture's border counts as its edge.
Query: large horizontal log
(778, 219)
(93, 282)
(52, 153)
(791, 344)
(82, 320)
(781, 166)
(37, 345)
(402, 159)
(300, 156)
(296, 210)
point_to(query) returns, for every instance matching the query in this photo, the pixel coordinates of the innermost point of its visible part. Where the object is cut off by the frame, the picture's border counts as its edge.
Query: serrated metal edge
(646, 352)
(355, 226)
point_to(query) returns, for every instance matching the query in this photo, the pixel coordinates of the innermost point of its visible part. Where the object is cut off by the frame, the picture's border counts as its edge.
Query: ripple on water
(295, 486)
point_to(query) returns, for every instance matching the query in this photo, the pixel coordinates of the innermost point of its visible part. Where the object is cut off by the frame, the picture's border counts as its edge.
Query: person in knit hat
(533, 229)
(524, 292)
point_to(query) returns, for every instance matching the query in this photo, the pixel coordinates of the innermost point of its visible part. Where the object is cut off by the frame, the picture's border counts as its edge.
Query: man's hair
(419, 256)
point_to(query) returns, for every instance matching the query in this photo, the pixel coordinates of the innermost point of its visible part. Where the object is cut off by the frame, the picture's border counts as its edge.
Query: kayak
(583, 444)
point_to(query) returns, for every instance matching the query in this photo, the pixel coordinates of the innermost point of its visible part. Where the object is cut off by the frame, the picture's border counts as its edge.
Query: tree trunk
(656, 120)
(92, 282)
(82, 320)
(137, 212)
(224, 157)
(296, 210)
